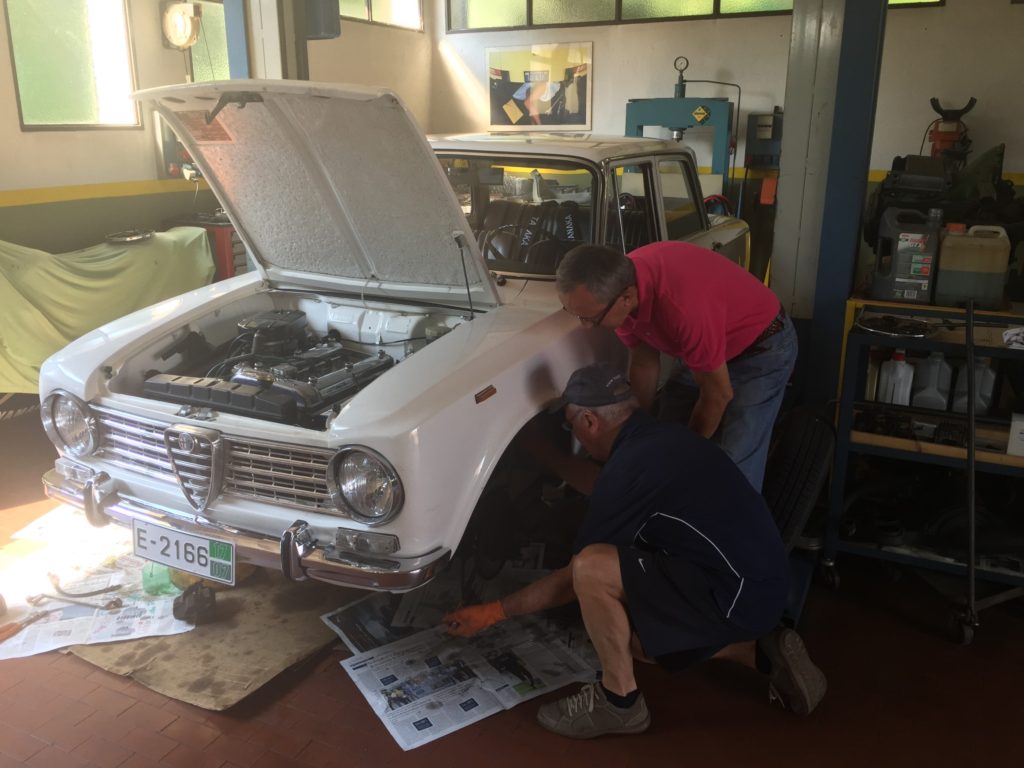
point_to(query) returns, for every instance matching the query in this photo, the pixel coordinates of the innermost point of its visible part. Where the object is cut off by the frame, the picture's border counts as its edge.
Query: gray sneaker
(588, 713)
(794, 680)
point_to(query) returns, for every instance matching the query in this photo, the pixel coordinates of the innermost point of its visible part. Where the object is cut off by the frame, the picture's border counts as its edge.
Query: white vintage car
(340, 413)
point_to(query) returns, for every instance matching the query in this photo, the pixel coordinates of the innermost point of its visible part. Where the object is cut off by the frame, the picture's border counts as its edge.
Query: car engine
(277, 369)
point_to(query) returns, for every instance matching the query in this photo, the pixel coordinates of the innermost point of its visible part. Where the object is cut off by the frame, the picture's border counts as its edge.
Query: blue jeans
(758, 384)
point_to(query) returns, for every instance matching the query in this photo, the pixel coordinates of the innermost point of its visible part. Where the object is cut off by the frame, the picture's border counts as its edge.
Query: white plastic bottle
(932, 377)
(895, 379)
(984, 383)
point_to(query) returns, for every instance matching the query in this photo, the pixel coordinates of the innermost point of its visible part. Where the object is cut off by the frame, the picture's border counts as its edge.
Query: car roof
(590, 146)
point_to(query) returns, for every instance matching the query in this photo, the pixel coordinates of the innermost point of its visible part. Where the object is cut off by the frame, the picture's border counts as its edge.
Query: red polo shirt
(696, 305)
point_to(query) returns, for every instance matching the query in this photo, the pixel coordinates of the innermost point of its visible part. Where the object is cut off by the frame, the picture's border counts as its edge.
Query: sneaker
(794, 680)
(588, 713)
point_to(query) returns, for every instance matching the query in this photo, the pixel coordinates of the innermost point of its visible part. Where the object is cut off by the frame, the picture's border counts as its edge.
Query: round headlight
(69, 424)
(363, 483)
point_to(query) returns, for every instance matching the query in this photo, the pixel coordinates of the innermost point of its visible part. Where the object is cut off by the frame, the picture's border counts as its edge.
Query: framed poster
(540, 87)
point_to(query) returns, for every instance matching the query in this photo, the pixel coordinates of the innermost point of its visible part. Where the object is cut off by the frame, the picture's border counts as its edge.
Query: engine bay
(275, 367)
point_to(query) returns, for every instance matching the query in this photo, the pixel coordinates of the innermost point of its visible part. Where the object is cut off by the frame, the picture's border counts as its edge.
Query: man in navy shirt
(678, 560)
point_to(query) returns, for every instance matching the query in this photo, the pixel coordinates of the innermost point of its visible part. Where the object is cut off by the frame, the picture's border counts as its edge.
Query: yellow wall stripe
(43, 195)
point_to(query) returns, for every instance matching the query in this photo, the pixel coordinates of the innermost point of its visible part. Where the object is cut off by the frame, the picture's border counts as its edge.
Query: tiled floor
(900, 695)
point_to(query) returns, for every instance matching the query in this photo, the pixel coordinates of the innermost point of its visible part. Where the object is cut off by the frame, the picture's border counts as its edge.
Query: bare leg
(742, 653)
(638, 650)
(598, 585)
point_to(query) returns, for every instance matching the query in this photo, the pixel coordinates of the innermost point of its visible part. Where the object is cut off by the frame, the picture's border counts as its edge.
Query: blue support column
(238, 41)
(860, 62)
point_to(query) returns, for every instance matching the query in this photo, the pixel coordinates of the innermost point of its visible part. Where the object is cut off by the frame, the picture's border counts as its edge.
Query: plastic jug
(932, 377)
(984, 383)
(908, 243)
(973, 265)
(895, 379)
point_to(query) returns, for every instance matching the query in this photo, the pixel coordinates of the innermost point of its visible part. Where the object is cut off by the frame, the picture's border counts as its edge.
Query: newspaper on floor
(86, 559)
(429, 684)
(382, 618)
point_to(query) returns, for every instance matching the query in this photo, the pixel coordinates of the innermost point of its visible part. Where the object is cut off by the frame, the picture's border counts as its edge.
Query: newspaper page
(85, 559)
(430, 684)
(381, 618)
(139, 615)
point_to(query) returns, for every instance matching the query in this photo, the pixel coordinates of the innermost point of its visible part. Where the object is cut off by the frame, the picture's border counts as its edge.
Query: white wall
(375, 55)
(965, 48)
(630, 61)
(57, 158)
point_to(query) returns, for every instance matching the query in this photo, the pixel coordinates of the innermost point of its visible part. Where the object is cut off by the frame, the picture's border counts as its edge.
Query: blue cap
(596, 385)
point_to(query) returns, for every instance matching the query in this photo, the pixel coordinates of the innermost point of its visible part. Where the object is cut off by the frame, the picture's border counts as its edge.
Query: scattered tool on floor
(110, 605)
(11, 628)
(55, 581)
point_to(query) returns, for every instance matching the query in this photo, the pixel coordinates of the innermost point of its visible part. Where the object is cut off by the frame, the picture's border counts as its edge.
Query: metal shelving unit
(959, 336)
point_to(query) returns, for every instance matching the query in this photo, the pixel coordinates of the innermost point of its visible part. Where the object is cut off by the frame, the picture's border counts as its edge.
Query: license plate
(210, 558)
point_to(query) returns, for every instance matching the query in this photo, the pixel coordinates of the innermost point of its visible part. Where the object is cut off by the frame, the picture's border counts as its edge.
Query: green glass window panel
(400, 13)
(210, 52)
(572, 11)
(756, 6)
(355, 9)
(482, 14)
(656, 9)
(72, 62)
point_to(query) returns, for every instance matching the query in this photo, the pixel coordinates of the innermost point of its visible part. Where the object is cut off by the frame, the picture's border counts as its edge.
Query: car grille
(272, 472)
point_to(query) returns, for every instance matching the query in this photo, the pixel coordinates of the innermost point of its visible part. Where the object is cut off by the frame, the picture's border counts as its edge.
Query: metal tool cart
(924, 436)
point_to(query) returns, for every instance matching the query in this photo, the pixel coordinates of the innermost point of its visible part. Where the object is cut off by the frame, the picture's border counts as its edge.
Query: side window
(631, 209)
(682, 212)
(72, 64)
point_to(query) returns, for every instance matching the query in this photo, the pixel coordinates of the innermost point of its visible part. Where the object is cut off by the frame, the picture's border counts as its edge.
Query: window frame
(715, 14)
(370, 20)
(132, 71)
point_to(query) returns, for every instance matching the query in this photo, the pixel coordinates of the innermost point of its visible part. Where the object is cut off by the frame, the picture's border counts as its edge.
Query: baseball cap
(596, 385)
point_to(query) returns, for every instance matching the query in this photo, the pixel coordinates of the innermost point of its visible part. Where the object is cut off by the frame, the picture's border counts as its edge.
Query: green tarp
(48, 300)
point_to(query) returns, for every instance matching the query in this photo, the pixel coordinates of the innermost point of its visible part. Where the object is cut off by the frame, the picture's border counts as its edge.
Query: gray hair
(603, 271)
(616, 413)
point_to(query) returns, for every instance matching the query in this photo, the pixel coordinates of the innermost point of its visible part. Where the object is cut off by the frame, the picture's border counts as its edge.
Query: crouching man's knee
(596, 569)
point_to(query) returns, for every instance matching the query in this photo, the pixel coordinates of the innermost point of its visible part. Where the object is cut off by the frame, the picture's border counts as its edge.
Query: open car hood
(330, 187)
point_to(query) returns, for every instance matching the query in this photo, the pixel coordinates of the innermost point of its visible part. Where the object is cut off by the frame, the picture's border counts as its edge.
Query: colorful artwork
(540, 87)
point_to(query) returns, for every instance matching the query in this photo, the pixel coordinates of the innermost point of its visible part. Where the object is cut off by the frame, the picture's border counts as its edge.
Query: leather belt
(777, 324)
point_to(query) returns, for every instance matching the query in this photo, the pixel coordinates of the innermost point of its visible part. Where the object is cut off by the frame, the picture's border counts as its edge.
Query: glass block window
(467, 15)
(755, 6)
(355, 9)
(659, 9)
(210, 52)
(72, 63)
(572, 12)
(394, 13)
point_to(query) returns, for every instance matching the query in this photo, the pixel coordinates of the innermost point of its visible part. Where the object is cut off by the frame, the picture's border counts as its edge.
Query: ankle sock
(622, 702)
(761, 661)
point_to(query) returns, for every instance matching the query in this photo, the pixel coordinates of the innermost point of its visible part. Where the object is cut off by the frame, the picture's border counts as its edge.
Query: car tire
(15, 404)
(797, 469)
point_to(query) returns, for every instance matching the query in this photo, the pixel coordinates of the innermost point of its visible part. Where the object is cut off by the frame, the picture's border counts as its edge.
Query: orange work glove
(466, 622)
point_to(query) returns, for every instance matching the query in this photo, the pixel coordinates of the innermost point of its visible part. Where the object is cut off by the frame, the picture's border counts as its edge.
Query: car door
(681, 208)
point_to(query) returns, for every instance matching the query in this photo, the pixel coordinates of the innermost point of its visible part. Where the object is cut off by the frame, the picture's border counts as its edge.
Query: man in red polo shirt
(729, 331)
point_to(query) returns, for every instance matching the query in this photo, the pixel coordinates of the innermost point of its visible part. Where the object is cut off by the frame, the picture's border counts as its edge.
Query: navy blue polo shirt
(664, 489)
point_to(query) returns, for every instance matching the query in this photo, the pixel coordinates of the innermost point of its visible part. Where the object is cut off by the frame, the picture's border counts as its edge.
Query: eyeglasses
(567, 423)
(596, 320)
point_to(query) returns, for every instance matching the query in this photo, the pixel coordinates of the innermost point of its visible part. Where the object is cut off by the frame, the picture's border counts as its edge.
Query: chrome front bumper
(296, 554)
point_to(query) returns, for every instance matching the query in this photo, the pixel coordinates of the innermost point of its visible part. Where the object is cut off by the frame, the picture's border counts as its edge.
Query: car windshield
(526, 213)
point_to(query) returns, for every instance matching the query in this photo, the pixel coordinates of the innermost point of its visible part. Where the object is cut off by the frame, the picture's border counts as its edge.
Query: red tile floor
(899, 695)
